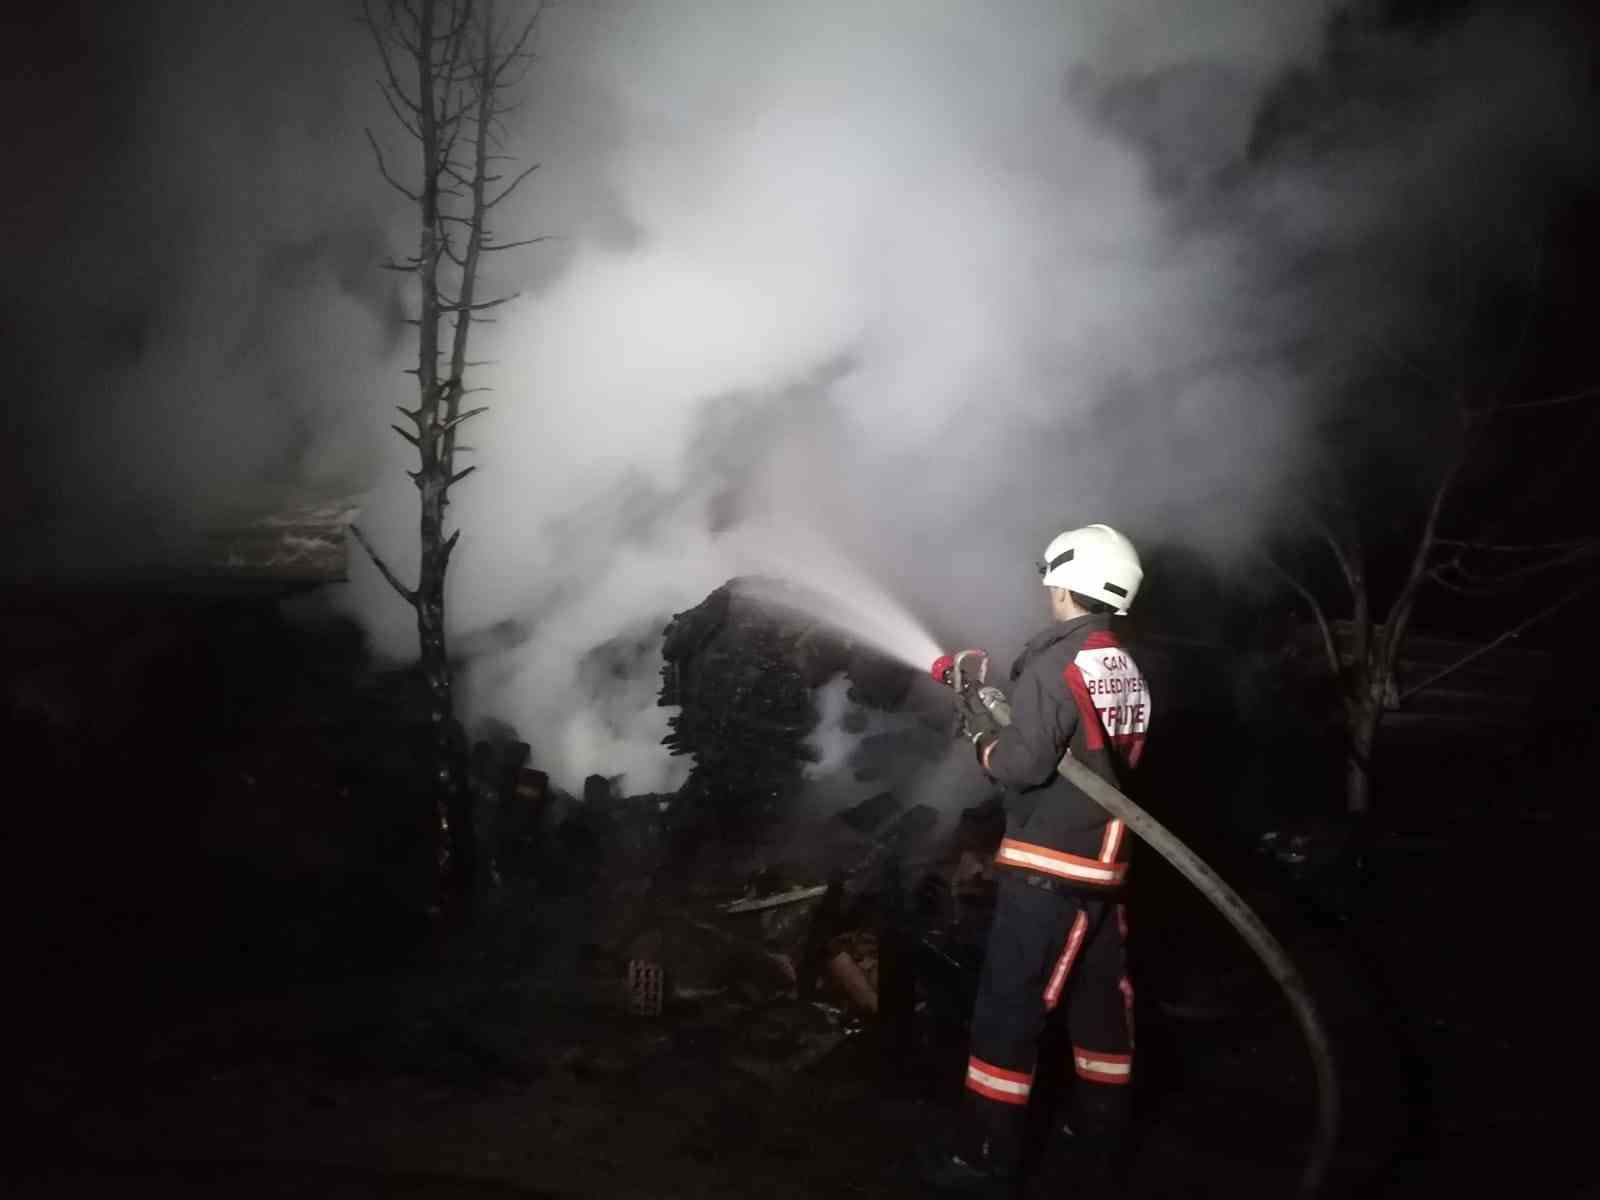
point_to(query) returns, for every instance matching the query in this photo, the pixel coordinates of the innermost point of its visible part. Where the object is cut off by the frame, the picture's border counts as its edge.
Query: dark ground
(229, 982)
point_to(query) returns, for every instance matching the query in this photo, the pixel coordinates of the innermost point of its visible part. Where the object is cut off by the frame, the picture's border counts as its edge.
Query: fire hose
(972, 688)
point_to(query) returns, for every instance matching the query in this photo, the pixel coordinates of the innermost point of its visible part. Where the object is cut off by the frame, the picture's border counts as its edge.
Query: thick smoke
(870, 292)
(845, 292)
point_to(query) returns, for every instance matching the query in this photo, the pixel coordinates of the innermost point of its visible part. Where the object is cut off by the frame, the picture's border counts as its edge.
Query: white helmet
(1095, 561)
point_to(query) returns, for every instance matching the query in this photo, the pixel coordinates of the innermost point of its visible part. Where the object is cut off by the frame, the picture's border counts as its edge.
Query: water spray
(966, 672)
(862, 613)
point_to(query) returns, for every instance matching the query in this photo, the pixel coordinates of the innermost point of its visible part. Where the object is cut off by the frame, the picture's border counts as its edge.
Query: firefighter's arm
(1025, 753)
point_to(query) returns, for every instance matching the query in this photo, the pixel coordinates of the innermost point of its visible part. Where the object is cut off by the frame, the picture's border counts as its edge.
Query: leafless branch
(450, 131)
(512, 80)
(383, 169)
(1525, 548)
(410, 46)
(1341, 554)
(405, 122)
(510, 187)
(1504, 637)
(1460, 589)
(1550, 401)
(1399, 618)
(406, 594)
(518, 48)
(460, 417)
(1501, 579)
(513, 245)
(457, 31)
(479, 306)
(380, 41)
(1328, 646)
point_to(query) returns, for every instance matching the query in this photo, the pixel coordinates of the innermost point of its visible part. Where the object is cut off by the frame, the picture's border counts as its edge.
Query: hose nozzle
(953, 670)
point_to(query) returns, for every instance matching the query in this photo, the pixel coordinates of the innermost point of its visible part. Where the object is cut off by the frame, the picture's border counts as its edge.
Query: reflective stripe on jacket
(1074, 688)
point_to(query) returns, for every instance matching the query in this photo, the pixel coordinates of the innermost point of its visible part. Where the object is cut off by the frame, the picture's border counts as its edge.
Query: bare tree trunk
(433, 475)
(1366, 673)
(1362, 730)
(464, 63)
(448, 739)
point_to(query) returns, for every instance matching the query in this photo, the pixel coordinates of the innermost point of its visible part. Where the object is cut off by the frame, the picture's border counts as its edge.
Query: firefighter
(1058, 936)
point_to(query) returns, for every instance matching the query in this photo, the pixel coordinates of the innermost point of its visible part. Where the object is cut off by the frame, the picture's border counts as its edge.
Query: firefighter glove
(976, 718)
(981, 743)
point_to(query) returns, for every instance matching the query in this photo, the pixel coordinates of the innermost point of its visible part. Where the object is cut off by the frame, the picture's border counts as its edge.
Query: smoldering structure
(788, 909)
(743, 677)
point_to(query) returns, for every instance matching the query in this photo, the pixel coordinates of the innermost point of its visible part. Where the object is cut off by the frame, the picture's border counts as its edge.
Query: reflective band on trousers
(997, 1083)
(1102, 1068)
(1058, 977)
(1054, 862)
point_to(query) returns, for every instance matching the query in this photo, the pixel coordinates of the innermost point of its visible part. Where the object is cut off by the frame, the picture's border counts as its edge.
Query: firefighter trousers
(1050, 949)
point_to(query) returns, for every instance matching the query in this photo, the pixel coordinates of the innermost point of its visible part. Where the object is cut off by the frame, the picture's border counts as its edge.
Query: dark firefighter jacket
(1074, 688)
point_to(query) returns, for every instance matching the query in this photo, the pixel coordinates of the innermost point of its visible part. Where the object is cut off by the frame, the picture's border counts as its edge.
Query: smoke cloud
(867, 283)
(843, 292)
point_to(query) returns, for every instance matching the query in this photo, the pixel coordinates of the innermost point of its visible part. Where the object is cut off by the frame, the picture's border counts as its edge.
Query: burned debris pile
(754, 908)
(875, 929)
(739, 679)
(743, 676)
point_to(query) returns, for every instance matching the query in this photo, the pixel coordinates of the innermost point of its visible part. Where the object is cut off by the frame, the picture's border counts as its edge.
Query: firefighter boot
(983, 1158)
(946, 1173)
(1090, 1166)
